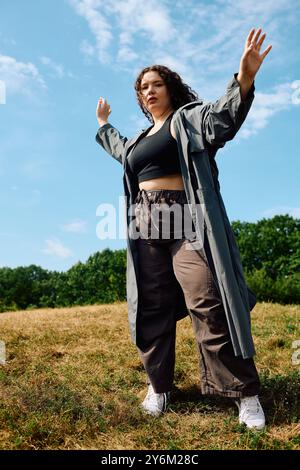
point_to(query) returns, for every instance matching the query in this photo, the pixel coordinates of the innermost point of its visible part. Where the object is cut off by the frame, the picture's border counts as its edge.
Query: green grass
(73, 380)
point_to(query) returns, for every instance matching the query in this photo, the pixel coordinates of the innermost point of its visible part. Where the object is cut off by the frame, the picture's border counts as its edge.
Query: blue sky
(57, 57)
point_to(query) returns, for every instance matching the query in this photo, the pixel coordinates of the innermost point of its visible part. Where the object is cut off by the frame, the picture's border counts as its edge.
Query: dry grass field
(73, 380)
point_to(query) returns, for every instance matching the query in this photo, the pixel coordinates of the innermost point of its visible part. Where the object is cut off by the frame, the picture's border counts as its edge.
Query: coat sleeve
(222, 119)
(111, 140)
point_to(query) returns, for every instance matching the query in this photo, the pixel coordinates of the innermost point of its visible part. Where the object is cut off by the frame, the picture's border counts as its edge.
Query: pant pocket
(142, 220)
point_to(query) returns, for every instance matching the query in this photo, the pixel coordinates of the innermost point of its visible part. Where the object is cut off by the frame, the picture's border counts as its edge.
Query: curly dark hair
(180, 93)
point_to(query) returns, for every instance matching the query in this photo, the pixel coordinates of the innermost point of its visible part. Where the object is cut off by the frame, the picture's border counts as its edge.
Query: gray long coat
(201, 129)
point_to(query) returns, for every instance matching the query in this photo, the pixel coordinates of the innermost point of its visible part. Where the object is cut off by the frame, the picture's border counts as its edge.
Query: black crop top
(155, 155)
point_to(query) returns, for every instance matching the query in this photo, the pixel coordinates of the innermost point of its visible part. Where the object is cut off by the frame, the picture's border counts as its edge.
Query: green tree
(272, 244)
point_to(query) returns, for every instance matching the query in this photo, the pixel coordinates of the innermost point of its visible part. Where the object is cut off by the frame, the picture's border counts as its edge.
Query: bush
(284, 290)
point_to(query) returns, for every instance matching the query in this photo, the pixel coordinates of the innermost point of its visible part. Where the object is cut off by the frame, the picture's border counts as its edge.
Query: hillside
(73, 380)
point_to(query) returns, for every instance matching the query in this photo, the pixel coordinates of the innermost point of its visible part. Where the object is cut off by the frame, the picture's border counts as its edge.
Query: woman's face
(153, 86)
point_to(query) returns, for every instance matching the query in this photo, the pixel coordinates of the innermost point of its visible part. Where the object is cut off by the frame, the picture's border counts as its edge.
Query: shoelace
(250, 405)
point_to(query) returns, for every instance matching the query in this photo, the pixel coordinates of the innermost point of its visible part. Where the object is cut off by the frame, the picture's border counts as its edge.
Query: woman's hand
(252, 59)
(102, 111)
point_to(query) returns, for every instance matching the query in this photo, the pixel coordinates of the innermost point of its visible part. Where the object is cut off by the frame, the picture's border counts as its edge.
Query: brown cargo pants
(162, 261)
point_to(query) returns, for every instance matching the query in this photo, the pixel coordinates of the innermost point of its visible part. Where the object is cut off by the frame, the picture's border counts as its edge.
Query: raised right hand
(102, 111)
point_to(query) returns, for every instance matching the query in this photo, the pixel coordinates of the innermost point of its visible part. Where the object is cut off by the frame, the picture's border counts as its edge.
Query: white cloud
(266, 105)
(57, 68)
(20, 77)
(76, 226)
(202, 41)
(150, 19)
(126, 54)
(55, 247)
(87, 49)
(282, 210)
(212, 35)
(131, 18)
(99, 26)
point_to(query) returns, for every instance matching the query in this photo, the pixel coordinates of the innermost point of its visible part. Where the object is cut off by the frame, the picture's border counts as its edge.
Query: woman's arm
(222, 119)
(112, 141)
(108, 136)
(245, 86)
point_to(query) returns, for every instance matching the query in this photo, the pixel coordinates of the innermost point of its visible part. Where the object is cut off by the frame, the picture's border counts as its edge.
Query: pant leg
(221, 371)
(156, 322)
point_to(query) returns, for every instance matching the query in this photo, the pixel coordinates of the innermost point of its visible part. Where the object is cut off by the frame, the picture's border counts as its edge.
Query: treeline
(102, 279)
(270, 252)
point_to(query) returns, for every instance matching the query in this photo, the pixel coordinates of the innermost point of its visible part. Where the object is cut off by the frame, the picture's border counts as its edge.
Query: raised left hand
(251, 59)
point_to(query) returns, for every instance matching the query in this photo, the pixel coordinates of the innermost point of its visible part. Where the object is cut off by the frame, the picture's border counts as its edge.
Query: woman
(197, 268)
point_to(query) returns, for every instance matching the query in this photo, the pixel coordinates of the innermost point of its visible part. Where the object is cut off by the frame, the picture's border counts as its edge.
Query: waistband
(161, 195)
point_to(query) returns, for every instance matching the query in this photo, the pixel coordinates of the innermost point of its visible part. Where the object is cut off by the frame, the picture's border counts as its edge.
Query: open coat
(201, 129)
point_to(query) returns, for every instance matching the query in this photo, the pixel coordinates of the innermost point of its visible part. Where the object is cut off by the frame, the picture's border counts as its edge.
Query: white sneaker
(251, 412)
(155, 403)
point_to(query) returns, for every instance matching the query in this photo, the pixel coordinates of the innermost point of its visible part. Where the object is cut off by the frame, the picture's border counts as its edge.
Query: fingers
(266, 51)
(102, 103)
(260, 42)
(250, 35)
(254, 40)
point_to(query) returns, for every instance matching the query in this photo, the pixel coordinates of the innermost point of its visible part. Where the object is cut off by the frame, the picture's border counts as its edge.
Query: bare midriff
(173, 181)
